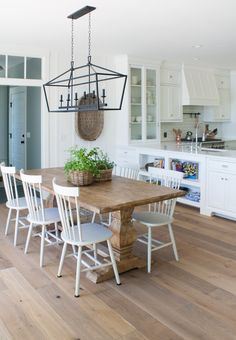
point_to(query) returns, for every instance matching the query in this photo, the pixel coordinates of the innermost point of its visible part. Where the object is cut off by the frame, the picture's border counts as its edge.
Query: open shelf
(189, 202)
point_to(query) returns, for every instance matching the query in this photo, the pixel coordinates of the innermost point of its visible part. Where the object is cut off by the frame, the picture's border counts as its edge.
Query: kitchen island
(210, 175)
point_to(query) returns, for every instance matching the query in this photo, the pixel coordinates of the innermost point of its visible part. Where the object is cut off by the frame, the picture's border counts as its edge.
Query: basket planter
(104, 175)
(80, 178)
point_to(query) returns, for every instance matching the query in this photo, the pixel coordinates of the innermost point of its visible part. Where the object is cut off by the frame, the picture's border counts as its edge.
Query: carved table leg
(124, 236)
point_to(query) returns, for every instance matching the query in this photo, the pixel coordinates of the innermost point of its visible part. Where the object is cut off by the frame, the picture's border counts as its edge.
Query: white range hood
(199, 87)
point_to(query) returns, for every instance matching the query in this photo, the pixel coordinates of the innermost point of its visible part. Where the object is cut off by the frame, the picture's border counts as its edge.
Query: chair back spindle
(69, 214)
(9, 181)
(127, 172)
(168, 178)
(33, 195)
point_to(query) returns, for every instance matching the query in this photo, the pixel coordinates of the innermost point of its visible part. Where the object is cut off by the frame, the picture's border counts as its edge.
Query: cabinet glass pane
(15, 67)
(2, 66)
(136, 104)
(33, 68)
(151, 104)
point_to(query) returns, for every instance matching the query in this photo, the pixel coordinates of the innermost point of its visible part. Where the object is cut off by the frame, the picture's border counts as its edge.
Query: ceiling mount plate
(81, 12)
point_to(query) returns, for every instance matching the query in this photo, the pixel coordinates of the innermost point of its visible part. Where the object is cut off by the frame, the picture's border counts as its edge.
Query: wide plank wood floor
(192, 299)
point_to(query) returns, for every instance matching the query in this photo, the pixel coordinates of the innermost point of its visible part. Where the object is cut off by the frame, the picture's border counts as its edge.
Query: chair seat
(91, 233)
(152, 219)
(13, 204)
(51, 215)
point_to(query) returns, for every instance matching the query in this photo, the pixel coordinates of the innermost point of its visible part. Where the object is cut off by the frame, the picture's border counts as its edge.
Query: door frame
(10, 120)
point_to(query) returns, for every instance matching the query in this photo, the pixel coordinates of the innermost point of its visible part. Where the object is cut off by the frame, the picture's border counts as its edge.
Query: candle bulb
(76, 96)
(84, 94)
(103, 93)
(94, 94)
(68, 97)
(61, 99)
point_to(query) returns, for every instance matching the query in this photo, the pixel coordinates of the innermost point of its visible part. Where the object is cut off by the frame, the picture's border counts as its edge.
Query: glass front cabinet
(144, 122)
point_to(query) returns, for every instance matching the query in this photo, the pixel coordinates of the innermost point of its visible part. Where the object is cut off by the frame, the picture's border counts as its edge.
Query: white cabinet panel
(222, 82)
(221, 187)
(220, 113)
(171, 108)
(169, 76)
(216, 189)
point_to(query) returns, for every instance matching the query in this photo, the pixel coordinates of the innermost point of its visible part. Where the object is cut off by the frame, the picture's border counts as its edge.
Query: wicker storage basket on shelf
(104, 175)
(80, 178)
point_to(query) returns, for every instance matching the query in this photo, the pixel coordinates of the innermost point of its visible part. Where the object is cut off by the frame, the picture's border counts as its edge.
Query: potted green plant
(103, 164)
(81, 167)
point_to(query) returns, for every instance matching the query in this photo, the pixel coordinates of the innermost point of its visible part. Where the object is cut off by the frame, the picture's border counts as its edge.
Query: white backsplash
(188, 124)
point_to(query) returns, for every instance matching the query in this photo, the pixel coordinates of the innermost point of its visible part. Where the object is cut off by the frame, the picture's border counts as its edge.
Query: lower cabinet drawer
(219, 165)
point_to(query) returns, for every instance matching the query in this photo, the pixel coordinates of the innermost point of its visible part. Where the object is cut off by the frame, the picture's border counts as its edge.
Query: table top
(118, 194)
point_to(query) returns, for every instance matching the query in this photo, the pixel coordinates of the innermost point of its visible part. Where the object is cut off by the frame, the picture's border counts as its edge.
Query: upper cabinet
(220, 113)
(144, 85)
(170, 96)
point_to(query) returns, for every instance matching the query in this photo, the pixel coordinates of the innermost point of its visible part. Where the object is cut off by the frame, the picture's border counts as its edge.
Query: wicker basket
(104, 175)
(80, 178)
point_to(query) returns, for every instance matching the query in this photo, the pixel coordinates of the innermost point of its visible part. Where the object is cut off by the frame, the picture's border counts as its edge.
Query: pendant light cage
(85, 88)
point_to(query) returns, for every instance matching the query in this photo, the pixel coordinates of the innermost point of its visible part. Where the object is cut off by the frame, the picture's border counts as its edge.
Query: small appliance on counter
(189, 136)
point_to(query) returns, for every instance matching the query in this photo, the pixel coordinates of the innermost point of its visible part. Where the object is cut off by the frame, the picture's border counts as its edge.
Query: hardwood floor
(192, 299)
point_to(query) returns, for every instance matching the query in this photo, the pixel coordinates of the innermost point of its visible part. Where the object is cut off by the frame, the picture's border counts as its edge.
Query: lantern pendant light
(88, 87)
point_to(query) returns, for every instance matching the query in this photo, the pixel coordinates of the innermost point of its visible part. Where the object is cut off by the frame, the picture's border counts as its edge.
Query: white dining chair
(14, 202)
(38, 215)
(81, 235)
(160, 213)
(122, 171)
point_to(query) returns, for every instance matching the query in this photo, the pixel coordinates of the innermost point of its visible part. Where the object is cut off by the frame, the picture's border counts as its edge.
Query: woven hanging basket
(104, 175)
(89, 124)
(80, 178)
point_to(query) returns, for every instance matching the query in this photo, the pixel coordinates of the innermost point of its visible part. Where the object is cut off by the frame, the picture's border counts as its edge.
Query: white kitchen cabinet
(222, 112)
(170, 76)
(221, 184)
(222, 82)
(144, 86)
(170, 103)
(127, 157)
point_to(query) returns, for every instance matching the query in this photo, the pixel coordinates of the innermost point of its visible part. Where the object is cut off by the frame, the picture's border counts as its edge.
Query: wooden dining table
(119, 196)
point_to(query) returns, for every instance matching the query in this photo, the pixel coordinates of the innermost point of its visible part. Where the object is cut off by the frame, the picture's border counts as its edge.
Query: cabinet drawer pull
(224, 166)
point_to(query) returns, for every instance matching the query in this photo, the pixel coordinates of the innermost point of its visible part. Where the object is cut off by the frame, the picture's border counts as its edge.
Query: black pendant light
(88, 87)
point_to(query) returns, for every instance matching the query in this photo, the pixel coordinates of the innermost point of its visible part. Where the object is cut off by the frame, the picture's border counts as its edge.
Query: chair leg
(109, 218)
(113, 261)
(95, 251)
(42, 245)
(28, 237)
(8, 221)
(173, 242)
(93, 218)
(63, 253)
(77, 279)
(149, 250)
(56, 232)
(16, 227)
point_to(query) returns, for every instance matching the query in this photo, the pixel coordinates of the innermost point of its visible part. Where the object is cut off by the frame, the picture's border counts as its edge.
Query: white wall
(62, 132)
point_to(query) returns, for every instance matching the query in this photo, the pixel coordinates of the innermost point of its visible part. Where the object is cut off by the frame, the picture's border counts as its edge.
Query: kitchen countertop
(187, 148)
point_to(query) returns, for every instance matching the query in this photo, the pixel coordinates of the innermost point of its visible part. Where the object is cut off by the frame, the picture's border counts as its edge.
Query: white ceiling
(162, 29)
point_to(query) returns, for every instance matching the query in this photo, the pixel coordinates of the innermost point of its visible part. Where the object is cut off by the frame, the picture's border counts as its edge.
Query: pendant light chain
(72, 42)
(89, 38)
